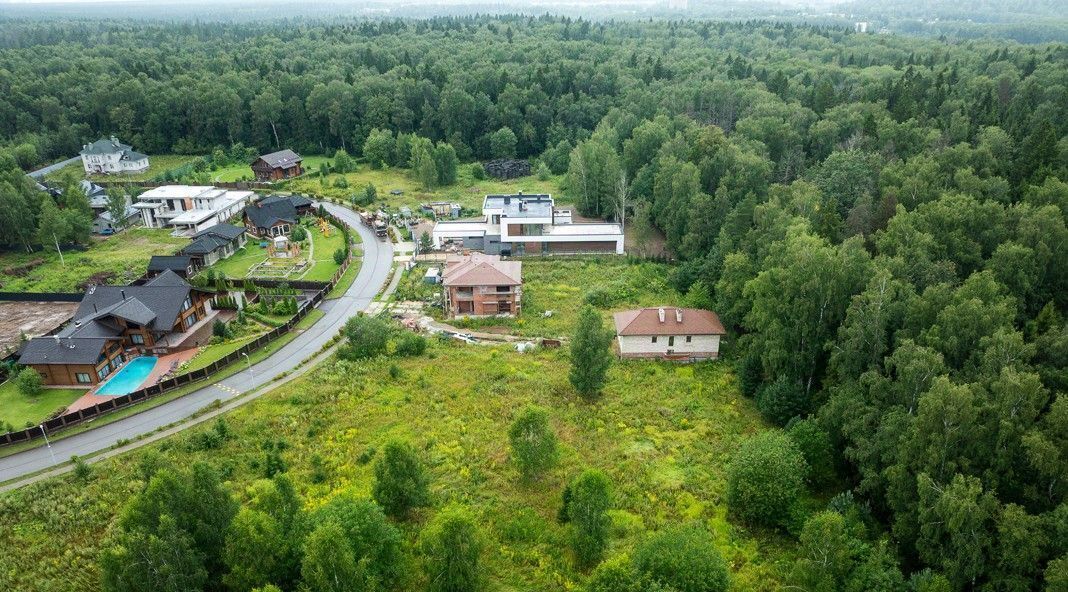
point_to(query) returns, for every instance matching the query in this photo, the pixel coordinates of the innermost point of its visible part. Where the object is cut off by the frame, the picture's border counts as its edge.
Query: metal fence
(123, 401)
(41, 296)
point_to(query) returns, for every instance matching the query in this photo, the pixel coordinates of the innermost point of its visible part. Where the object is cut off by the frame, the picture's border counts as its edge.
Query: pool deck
(163, 365)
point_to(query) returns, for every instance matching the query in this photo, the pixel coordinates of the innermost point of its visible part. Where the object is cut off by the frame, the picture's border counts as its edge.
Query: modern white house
(527, 225)
(668, 333)
(110, 156)
(190, 208)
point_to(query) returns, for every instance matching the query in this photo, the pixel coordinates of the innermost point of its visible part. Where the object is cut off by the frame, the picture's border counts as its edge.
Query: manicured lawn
(322, 255)
(121, 257)
(157, 165)
(17, 409)
(467, 191)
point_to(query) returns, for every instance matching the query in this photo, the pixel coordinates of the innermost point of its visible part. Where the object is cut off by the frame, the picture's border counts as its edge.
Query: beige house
(668, 333)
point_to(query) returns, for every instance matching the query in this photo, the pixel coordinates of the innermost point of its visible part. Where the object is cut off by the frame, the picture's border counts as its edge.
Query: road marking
(227, 389)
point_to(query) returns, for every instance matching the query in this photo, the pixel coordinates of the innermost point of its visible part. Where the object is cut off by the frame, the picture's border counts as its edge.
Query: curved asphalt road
(377, 262)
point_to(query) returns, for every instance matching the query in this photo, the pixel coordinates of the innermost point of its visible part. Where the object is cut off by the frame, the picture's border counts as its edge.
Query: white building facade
(528, 225)
(110, 156)
(668, 333)
(190, 209)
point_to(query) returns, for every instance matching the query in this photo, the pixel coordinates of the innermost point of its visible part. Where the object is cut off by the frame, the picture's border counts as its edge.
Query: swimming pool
(129, 377)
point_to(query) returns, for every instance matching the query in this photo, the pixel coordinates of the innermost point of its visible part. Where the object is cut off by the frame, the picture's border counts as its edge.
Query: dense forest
(880, 222)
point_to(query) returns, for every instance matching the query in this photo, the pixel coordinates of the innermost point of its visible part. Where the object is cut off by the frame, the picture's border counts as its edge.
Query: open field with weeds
(563, 286)
(662, 433)
(467, 191)
(119, 259)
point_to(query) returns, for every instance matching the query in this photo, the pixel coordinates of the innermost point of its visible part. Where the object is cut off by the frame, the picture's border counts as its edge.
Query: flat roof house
(109, 155)
(668, 333)
(113, 324)
(278, 165)
(528, 225)
(275, 215)
(190, 208)
(214, 244)
(482, 285)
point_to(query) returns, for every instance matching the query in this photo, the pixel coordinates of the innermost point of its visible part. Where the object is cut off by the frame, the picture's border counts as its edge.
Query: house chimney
(678, 315)
(123, 294)
(660, 313)
(57, 338)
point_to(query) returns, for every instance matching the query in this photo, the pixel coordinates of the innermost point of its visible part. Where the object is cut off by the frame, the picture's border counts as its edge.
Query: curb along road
(374, 270)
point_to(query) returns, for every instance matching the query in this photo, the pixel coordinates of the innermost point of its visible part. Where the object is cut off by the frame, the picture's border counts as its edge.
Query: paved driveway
(377, 260)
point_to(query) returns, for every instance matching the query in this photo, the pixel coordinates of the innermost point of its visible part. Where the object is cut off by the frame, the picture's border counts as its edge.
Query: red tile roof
(478, 269)
(676, 321)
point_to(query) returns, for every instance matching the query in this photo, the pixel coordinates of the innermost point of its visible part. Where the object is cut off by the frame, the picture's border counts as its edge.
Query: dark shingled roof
(208, 240)
(46, 350)
(172, 262)
(163, 295)
(283, 159)
(227, 231)
(274, 209)
(155, 305)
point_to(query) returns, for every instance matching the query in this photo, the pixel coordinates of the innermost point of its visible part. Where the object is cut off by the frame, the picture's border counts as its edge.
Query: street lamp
(47, 443)
(250, 373)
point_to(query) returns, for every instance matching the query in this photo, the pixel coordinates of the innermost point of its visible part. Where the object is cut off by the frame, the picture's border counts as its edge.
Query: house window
(103, 372)
(654, 338)
(137, 339)
(671, 341)
(82, 378)
(187, 304)
(689, 338)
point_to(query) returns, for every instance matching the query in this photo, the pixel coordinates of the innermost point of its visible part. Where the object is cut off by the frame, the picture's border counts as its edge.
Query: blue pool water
(129, 377)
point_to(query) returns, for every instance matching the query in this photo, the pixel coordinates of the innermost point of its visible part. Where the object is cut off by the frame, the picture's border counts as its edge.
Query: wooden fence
(123, 401)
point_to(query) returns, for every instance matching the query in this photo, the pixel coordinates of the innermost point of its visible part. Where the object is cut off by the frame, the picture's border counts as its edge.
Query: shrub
(82, 470)
(782, 400)
(452, 547)
(616, 574)
(411, 344)
(478, 171)
(298, 234)
(29, 382)
(401, 482)
(815, 445)
(367, 338)
(765, 478)
(339, 256)
(683, 559)
(587, 509)
(533, 442)
(543, 173)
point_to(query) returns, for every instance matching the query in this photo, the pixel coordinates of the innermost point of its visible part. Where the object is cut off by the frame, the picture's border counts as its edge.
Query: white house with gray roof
(110, 156)
(527, 225)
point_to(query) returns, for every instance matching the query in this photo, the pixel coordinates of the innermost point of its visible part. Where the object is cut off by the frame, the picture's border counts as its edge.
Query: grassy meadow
(662, 433)
(122, 256)
(562, 286)
(467, 191)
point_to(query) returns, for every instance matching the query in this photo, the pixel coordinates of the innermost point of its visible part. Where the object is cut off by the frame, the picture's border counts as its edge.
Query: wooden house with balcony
(480, 285)
(116, 323)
